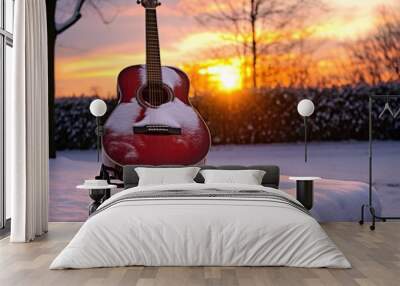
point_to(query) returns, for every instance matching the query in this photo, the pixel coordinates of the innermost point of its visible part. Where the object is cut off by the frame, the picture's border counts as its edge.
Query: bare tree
(376, 58)
(54, 29)
(257, 26)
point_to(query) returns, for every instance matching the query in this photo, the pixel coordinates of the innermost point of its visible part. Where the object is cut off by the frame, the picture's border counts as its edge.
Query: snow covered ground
(342, 165)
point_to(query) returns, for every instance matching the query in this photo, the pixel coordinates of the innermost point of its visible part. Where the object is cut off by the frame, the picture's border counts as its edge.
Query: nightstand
(305, 190)
(97, 193)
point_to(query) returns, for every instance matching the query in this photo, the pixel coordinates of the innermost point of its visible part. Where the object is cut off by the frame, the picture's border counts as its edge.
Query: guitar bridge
(156, 130)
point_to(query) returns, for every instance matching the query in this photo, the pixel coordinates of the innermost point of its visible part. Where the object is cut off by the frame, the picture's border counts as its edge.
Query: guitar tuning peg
(138, 1)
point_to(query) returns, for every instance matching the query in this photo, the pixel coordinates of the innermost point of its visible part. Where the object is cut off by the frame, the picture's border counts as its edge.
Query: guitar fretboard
(153, 62)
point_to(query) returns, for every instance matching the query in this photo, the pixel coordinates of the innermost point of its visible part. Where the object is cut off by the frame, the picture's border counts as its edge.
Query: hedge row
(270, 116)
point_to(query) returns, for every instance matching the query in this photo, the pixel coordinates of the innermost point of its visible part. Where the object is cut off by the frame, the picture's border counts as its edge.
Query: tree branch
(100, 13)
(72, 20)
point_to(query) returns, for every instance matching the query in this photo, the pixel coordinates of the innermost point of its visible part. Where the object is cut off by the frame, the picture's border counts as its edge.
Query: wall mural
(222, 84)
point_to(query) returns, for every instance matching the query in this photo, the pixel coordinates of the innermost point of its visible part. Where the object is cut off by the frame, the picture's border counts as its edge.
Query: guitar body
(171, 110)
(154, 122)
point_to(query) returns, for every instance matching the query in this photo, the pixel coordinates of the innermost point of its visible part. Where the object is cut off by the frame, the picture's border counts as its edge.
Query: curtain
(27, 124)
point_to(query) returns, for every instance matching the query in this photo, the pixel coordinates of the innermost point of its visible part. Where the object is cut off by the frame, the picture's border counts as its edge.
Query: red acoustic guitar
(154, 122)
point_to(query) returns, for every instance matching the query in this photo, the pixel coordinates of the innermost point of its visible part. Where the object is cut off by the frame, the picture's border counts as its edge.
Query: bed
(201, 224)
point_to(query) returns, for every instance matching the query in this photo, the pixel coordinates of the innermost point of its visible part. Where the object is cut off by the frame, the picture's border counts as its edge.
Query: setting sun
(226, 76)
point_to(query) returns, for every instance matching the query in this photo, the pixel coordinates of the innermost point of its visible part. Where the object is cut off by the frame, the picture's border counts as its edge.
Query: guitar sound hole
(154, 96)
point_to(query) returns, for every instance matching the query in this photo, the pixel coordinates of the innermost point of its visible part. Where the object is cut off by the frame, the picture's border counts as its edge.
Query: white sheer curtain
(27, 124)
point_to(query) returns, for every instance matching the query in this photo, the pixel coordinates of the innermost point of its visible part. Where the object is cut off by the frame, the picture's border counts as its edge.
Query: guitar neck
(153, 61)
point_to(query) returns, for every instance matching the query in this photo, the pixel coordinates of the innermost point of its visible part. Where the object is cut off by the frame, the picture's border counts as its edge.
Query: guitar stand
(370, 204)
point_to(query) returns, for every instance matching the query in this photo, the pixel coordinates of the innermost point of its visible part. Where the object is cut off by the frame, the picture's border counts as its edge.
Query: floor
(375, 257)
(344, 161)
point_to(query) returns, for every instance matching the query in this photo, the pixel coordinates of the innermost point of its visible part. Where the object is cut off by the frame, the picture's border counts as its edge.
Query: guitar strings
(151, 87)
(159, 88)
(156, 57)
(149, 90)
(150, 80)
(154, 70)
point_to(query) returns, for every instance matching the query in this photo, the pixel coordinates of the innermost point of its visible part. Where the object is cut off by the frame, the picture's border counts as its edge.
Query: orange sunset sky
(90, 54)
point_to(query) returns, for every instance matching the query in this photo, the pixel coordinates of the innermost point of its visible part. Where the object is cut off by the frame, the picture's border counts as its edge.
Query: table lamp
(305, 108)
(98, 108)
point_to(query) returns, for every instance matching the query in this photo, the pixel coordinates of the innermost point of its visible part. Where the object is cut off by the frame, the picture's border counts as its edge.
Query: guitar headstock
(149, 4)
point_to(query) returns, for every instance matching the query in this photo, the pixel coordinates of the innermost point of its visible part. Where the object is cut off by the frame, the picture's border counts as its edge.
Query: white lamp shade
(98, 107)
(305, 107)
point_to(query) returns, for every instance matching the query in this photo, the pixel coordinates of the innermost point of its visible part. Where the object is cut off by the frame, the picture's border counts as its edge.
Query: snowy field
(338, 197)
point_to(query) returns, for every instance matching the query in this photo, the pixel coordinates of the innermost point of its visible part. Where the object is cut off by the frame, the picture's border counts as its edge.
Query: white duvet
(200, 231)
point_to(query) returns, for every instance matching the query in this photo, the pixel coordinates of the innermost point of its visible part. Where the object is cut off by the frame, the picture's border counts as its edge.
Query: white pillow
(163, 176)
(248, 177)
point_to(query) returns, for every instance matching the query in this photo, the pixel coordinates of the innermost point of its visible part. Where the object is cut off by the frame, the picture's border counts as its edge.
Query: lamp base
(99, 133)
(305, 140)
